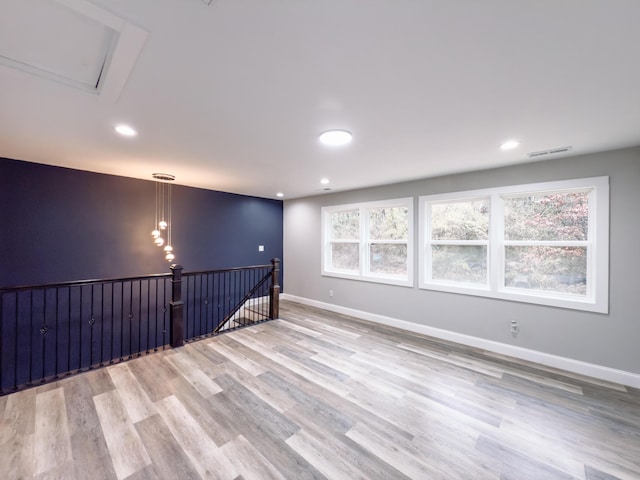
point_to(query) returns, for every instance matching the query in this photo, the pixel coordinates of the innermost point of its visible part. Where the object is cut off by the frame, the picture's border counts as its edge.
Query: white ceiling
(232, 96)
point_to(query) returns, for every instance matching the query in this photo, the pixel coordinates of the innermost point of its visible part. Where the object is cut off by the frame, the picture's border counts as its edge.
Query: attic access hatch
(69, 41)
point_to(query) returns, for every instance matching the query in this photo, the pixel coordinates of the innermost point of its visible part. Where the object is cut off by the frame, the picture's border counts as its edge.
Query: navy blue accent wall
(59, 224)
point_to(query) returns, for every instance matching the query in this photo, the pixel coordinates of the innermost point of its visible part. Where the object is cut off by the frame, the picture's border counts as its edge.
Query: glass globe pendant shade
(163, 219)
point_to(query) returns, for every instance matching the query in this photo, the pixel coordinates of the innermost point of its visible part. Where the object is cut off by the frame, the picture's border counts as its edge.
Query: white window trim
(363, 273)
(597, 298)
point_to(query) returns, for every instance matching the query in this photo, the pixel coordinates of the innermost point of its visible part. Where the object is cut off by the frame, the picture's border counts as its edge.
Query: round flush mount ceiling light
(510, 145)
(279, 194)
(335, 138)
(324, 181)
(125, 130)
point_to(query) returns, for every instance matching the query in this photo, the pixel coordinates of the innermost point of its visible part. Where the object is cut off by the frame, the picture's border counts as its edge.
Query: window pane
(388, 259)
(466, 220)
(553, 269)
(457, 263)
(345, 225)
(555, 216)
(345, 256)
(390, 223)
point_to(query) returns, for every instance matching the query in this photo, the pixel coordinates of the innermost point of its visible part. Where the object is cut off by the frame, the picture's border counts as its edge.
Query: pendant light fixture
(162, 222)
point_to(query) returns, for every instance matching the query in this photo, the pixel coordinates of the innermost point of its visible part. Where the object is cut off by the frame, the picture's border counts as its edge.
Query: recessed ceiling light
(125, 130)
(335, 138)
(324, 181)
(279, 194)
(509, 145)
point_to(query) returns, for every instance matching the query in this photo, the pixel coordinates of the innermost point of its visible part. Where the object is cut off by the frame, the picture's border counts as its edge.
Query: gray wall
(611, 340)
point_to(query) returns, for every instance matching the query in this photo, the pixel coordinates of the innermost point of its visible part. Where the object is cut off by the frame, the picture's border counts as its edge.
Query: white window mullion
(364, 241)
(546, 243)
(460, 242)
(593, 244)
(428, 273)
(496, 245)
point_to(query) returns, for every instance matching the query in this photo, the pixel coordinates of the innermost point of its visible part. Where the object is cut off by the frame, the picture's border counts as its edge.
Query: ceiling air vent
(552, 151)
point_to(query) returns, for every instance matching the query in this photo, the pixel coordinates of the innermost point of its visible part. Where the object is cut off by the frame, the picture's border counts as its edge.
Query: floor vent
(553, 151)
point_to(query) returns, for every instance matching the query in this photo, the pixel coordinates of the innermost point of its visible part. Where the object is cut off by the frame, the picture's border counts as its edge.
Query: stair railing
(54, 330)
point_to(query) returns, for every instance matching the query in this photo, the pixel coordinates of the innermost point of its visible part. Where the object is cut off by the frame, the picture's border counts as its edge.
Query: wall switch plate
(261, 248)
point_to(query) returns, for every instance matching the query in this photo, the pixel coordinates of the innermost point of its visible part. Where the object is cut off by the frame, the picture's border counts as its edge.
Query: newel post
(176, 320)
(274, 291)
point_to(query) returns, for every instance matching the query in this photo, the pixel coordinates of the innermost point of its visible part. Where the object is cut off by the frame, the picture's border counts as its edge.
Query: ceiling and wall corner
(232, 95)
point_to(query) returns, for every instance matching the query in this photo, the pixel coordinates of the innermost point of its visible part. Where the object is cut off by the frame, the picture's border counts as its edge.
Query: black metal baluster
(256, 299)
(43, 332)
(148, 313)
(68, 329)
(246, 276)
(233, 286)
(121, 320)
(267, 293)
(56, 328)
(130, 319)
(210, 315)
(102, 324)
(260, 297)
(262, 302)
(194, 309)
(227, 295)
(242, 292)
(187, 308)
(113, 288)
(15, 349)
(238, 285)
(80, 324)
(193, 306)
(200, 308)
(189, 325)
(30, 337)
(164, 314)
(139, 317)
(155, 330)
(219, 283)
(206, 304)
(92, 322)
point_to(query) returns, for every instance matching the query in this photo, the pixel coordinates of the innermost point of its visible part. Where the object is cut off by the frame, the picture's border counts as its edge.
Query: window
(369, 241)
(459, 241)
(543, 243)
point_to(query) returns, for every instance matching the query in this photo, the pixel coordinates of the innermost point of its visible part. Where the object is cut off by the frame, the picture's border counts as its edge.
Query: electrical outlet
(515, 328)
(331, 293)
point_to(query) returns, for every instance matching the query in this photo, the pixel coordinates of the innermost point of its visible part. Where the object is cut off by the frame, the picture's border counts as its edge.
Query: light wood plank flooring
(319, 395)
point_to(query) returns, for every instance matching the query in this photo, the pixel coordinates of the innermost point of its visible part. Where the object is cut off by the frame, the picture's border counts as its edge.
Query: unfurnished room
(339, 239)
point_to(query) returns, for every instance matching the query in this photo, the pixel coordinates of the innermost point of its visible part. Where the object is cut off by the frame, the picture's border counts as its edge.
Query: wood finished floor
(319, 395)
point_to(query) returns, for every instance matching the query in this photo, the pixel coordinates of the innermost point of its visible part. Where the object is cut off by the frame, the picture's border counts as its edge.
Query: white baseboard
(576, 366)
